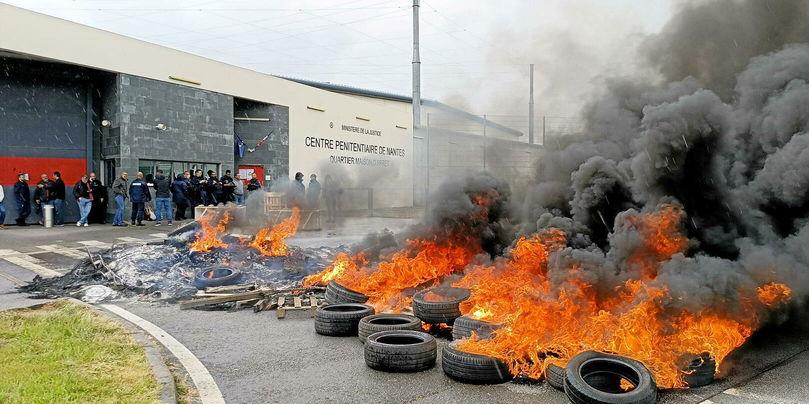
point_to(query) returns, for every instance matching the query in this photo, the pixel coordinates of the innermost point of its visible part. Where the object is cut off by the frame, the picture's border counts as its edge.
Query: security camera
(161, 126)
(105, 123)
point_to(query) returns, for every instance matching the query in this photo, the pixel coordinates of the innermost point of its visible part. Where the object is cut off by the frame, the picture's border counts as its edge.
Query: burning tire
(216, 277)
(472, 368)
(464, 326)
(439, 305)
(555, 376)
(594, 377)
(336, 293)
(700, 370)
(387, 322)
(400, 351)
(340, 320)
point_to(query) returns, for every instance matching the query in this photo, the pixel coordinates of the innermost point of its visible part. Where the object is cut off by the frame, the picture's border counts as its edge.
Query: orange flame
(545, 322)
(773, 294)
(420, 262)
(271, 241)
(209, 237)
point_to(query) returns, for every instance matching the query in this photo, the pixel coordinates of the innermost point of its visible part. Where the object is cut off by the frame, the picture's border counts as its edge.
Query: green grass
(65, 352)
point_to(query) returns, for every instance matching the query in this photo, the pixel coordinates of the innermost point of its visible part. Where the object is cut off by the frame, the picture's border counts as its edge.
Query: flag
(239, 146)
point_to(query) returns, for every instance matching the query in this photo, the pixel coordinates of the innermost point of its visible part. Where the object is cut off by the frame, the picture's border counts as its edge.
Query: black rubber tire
(340, 320)
(415, 353)
(201, 280)
(445, 311)
(472, 368)
(386, 322)
(336, 293)
(701, 371)
(464, 326)
(555, 376)
(608, 370)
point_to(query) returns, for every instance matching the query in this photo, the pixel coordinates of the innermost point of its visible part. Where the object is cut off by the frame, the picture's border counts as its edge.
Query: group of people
(88, 191)
(184, 191)
(187, 189)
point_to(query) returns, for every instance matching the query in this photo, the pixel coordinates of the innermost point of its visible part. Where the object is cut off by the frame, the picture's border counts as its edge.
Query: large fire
(208, 237)
(550, 320)
(421, 262)
(271, 241)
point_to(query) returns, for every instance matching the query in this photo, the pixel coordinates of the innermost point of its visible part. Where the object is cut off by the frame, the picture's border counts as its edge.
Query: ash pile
(190, 259)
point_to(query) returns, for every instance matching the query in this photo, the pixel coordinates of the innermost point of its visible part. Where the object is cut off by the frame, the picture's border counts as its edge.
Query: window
(108, 175)
(172, 168)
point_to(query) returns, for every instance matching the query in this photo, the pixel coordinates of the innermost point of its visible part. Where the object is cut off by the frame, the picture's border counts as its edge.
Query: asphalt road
(255, 357)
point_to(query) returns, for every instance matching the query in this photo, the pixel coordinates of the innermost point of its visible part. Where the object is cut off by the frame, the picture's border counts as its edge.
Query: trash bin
(48, 212)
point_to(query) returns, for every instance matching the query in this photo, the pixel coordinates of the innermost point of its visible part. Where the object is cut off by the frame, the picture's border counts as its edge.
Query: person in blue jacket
(179, 192)
(139, 194)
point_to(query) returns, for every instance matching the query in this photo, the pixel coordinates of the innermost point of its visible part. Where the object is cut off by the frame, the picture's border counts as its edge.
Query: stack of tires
(445, 310)
(336, 293)
(387, 322)
(464, 326)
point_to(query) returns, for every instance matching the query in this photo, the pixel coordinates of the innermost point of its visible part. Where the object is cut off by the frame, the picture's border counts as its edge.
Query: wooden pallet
(298, 304)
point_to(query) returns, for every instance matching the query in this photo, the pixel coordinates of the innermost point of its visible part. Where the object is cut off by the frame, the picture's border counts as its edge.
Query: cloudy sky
(474, 52)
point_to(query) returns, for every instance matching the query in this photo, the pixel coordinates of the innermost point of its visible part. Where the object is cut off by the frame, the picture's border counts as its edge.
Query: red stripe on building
(10, 167)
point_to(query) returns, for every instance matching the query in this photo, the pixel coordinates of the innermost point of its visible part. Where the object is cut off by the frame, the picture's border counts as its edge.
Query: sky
(474, 53)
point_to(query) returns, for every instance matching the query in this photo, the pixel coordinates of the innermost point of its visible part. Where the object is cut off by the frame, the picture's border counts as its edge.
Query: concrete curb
(168, 390)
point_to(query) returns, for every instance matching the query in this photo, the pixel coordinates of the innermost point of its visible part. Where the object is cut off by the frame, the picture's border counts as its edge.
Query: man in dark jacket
(139, 195)
(179, 191)
(162, 198)
(98, 213)
(297, 191)
(119, 192)
(313, 193)
(42, 196)
(199, 196)
(213, 189)
(22, 195)
(58, 198)
(228, 187)
(83, 192)
(254, 184)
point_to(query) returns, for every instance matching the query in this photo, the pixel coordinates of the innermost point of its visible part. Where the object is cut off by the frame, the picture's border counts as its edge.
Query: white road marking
(159, 235)
(5, 253)
(32, 264)
(94, 243)
(206, 386)
(129, 239)
(68, 252)
(743, 394)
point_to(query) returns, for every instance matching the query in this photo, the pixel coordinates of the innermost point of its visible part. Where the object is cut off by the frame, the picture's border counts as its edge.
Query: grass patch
(65, 352)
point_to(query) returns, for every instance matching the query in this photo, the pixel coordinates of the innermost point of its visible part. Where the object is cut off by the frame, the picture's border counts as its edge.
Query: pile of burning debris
(199, 260)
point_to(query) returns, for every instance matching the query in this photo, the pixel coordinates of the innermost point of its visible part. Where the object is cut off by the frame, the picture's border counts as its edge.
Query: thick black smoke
(725, 137)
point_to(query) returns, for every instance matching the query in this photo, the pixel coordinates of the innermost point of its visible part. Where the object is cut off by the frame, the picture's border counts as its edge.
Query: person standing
(139, 194)
(98, 214)
(2, 209)
(42, 196)
(22, 196)
(213, 189)
(119, 192)
(297, 191)
(83, 192)
(331, 192)
(254, 184)
(179, 191)
(313, 193)
(58, 198)
(228, 186)
(162, 199)
(238, 190)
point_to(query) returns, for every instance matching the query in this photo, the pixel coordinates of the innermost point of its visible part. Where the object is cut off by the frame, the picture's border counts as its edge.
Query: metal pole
(427, 170)
(484, 142)
(543, 130)
(531, 105)
(416, 69)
